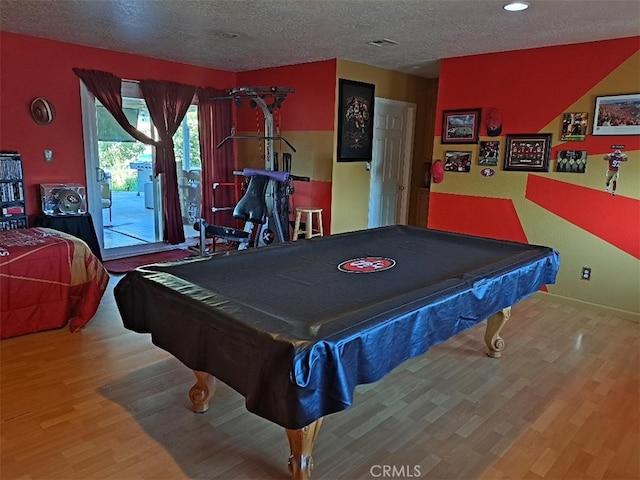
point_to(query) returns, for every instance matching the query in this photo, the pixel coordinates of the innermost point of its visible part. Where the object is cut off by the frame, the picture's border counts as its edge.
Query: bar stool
(308, 230)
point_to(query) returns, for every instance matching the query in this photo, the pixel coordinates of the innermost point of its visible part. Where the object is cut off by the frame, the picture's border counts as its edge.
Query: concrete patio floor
(131, 222)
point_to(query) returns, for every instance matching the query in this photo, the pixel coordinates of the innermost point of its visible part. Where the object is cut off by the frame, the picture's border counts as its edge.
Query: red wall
(310, 109)
(33, 67)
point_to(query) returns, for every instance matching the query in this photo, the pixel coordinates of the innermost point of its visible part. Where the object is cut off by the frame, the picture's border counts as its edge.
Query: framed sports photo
(355, 121)
(572, 161)
(617, 115)
(460, 126)
(527, 152)
(574, 126)
(457, 161)
(489, 153)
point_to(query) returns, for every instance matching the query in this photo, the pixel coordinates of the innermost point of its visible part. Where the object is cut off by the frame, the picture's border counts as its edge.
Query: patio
(132, 222)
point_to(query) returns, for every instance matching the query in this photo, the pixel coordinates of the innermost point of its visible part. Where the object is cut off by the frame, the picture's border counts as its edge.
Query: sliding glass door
(125, 198)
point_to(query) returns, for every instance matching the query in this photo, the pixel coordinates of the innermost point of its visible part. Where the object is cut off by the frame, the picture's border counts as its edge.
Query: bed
(48, 280)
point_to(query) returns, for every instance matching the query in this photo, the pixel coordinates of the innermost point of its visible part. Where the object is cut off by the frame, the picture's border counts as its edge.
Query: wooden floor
(563, 402)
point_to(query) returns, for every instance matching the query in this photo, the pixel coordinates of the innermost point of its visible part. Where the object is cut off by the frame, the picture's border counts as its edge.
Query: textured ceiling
(284, 32)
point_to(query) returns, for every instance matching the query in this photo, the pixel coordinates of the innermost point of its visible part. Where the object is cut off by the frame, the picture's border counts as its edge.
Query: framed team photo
(574, 126)
(489, 153)
(527, 152)
(457, 161)
(617, 115)
(460, 126)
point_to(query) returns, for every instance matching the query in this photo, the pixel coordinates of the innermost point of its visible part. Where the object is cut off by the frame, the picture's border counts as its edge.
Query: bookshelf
(13, 211)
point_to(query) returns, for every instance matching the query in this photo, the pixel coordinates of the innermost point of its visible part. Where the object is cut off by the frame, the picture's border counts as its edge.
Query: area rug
(124, 265)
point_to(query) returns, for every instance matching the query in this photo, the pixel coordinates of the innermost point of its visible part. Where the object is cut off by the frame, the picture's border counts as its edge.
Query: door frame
(89, 130)
(410, 119)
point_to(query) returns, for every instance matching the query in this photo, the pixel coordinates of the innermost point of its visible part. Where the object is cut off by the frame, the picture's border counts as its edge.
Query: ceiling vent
(382, 43)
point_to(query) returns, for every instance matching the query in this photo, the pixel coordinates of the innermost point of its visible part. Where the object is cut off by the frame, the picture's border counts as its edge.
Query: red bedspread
(48, 279)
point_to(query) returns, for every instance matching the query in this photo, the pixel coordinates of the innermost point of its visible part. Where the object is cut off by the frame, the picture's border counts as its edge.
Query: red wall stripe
(486, 217)
(597, 212)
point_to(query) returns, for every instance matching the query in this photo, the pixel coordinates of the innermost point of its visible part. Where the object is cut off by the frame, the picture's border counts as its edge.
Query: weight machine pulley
(268, 99)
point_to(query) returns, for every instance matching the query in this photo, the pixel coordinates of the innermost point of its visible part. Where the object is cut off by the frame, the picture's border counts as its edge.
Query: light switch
(48, 156)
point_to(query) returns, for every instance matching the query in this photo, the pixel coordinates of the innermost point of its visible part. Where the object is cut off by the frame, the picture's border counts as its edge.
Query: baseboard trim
(625, 314)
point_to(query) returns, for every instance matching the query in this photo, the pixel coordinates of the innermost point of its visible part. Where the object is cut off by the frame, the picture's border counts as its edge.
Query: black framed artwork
(527, 152)
(356, 102)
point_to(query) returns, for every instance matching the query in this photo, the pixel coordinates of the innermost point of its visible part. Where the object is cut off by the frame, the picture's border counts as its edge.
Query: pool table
(294, 327)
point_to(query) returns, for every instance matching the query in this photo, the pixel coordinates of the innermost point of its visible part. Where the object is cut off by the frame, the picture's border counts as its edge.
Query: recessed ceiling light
(516, 6)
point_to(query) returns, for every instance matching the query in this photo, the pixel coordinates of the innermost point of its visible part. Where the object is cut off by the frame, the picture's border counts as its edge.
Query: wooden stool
(308, 231)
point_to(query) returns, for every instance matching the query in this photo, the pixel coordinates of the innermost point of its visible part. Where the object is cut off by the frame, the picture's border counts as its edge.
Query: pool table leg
(301, 443)
(492, 334)
(202, 391)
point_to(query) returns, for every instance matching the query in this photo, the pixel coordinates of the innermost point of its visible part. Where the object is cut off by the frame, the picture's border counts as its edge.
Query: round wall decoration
(42, 111)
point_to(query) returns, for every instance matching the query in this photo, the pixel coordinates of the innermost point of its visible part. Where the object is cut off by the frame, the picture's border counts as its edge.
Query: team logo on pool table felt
(367, 265)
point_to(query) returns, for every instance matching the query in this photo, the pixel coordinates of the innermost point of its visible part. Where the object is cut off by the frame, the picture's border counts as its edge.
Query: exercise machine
(255, 208)
(266, 202)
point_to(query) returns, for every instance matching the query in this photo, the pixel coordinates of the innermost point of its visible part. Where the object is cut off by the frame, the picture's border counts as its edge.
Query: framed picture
(574, 126)
(527, 152)
(617, 115)
(460, 126)
(489, 153)
(459, 161)
(571, 161)
(355, 121)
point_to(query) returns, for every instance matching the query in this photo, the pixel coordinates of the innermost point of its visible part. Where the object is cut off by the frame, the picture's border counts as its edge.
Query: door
(126, 221)
(390, 166)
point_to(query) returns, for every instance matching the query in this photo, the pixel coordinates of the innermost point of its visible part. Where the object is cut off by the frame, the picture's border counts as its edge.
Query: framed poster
(457, 161)
(574, 126)
(356, 101)
(527, 152)
(460, 126)
(617, 115)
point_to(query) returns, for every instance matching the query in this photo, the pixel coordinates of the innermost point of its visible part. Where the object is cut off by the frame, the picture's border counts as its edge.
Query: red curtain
(215, 121)
(107, 88)
(168, 103)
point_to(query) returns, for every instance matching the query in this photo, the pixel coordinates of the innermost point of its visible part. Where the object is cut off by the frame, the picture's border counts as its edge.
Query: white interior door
(393, 127)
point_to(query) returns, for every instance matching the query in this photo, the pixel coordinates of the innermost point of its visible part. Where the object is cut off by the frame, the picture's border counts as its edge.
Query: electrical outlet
(586, 273)
(48, 156)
